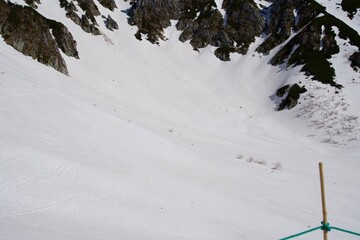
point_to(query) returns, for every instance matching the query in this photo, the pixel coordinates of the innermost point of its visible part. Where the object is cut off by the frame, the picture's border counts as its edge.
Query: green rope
(347, 231)
(324, 227)
(302, 233)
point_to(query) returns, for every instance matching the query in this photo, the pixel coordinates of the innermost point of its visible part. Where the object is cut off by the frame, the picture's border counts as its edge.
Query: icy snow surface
(144, 142)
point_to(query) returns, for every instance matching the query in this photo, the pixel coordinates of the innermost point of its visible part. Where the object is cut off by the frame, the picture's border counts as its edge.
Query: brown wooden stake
(324, 211)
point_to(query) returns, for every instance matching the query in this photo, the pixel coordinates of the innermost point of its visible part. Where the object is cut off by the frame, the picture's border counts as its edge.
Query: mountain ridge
(203, 25)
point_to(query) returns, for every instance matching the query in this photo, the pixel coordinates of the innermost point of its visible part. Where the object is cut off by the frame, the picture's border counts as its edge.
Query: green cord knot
(325, 227)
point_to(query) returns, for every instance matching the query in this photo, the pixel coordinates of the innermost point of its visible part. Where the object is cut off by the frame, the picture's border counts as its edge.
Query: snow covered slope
(161, 142)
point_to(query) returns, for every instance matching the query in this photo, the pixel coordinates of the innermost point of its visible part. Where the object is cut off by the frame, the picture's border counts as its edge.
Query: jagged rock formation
(204, 29)
(88, 27)
(200, 22)
(355, 60)
(4, 13)
(152, 16)
(64, 39)
(110, 4)
(90, 9)
(283, 21)
(314, 43)
(29, 32)
(243, 22)
(350, 6)
(110, 23)
(32, 3)
(87, 21)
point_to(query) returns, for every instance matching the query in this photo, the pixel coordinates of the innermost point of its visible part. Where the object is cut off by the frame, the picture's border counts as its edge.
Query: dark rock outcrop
(283, 21)
(91, 11)
(292, 97)
(88, 27)
(64, 39)
(201, 23)
(243, 22)
(223, 53)
(29, 32)
(110, 4)
(70, 8)
(355, 60)
(110, 23)
(350, 6)
(74, 17)
(314, 45)
(4, 13)
(32, 3)
(152, 16)
(204, 29)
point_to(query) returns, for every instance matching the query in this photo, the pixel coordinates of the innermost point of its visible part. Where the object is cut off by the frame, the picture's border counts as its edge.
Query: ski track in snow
(39, 209)
(83, 152)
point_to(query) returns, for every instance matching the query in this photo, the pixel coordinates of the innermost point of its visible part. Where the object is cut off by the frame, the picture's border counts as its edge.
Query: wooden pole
(323, 202)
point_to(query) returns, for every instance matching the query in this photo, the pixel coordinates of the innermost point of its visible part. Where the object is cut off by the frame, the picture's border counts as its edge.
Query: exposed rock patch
(205, 28)
(243, 22)
(152, 16)
(288, 16)
(30, 33)
(350, 6)
(201, 23)
(292, 97)
(87, 21)
(314, 45)
(4, 13)
(110, 23)
(32, 3)
(64, 39)
(355, 60)
(88, 27)
(110, 4)
(90, 9)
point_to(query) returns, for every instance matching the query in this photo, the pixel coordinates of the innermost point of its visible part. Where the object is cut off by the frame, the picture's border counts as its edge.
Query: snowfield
(145, 142)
